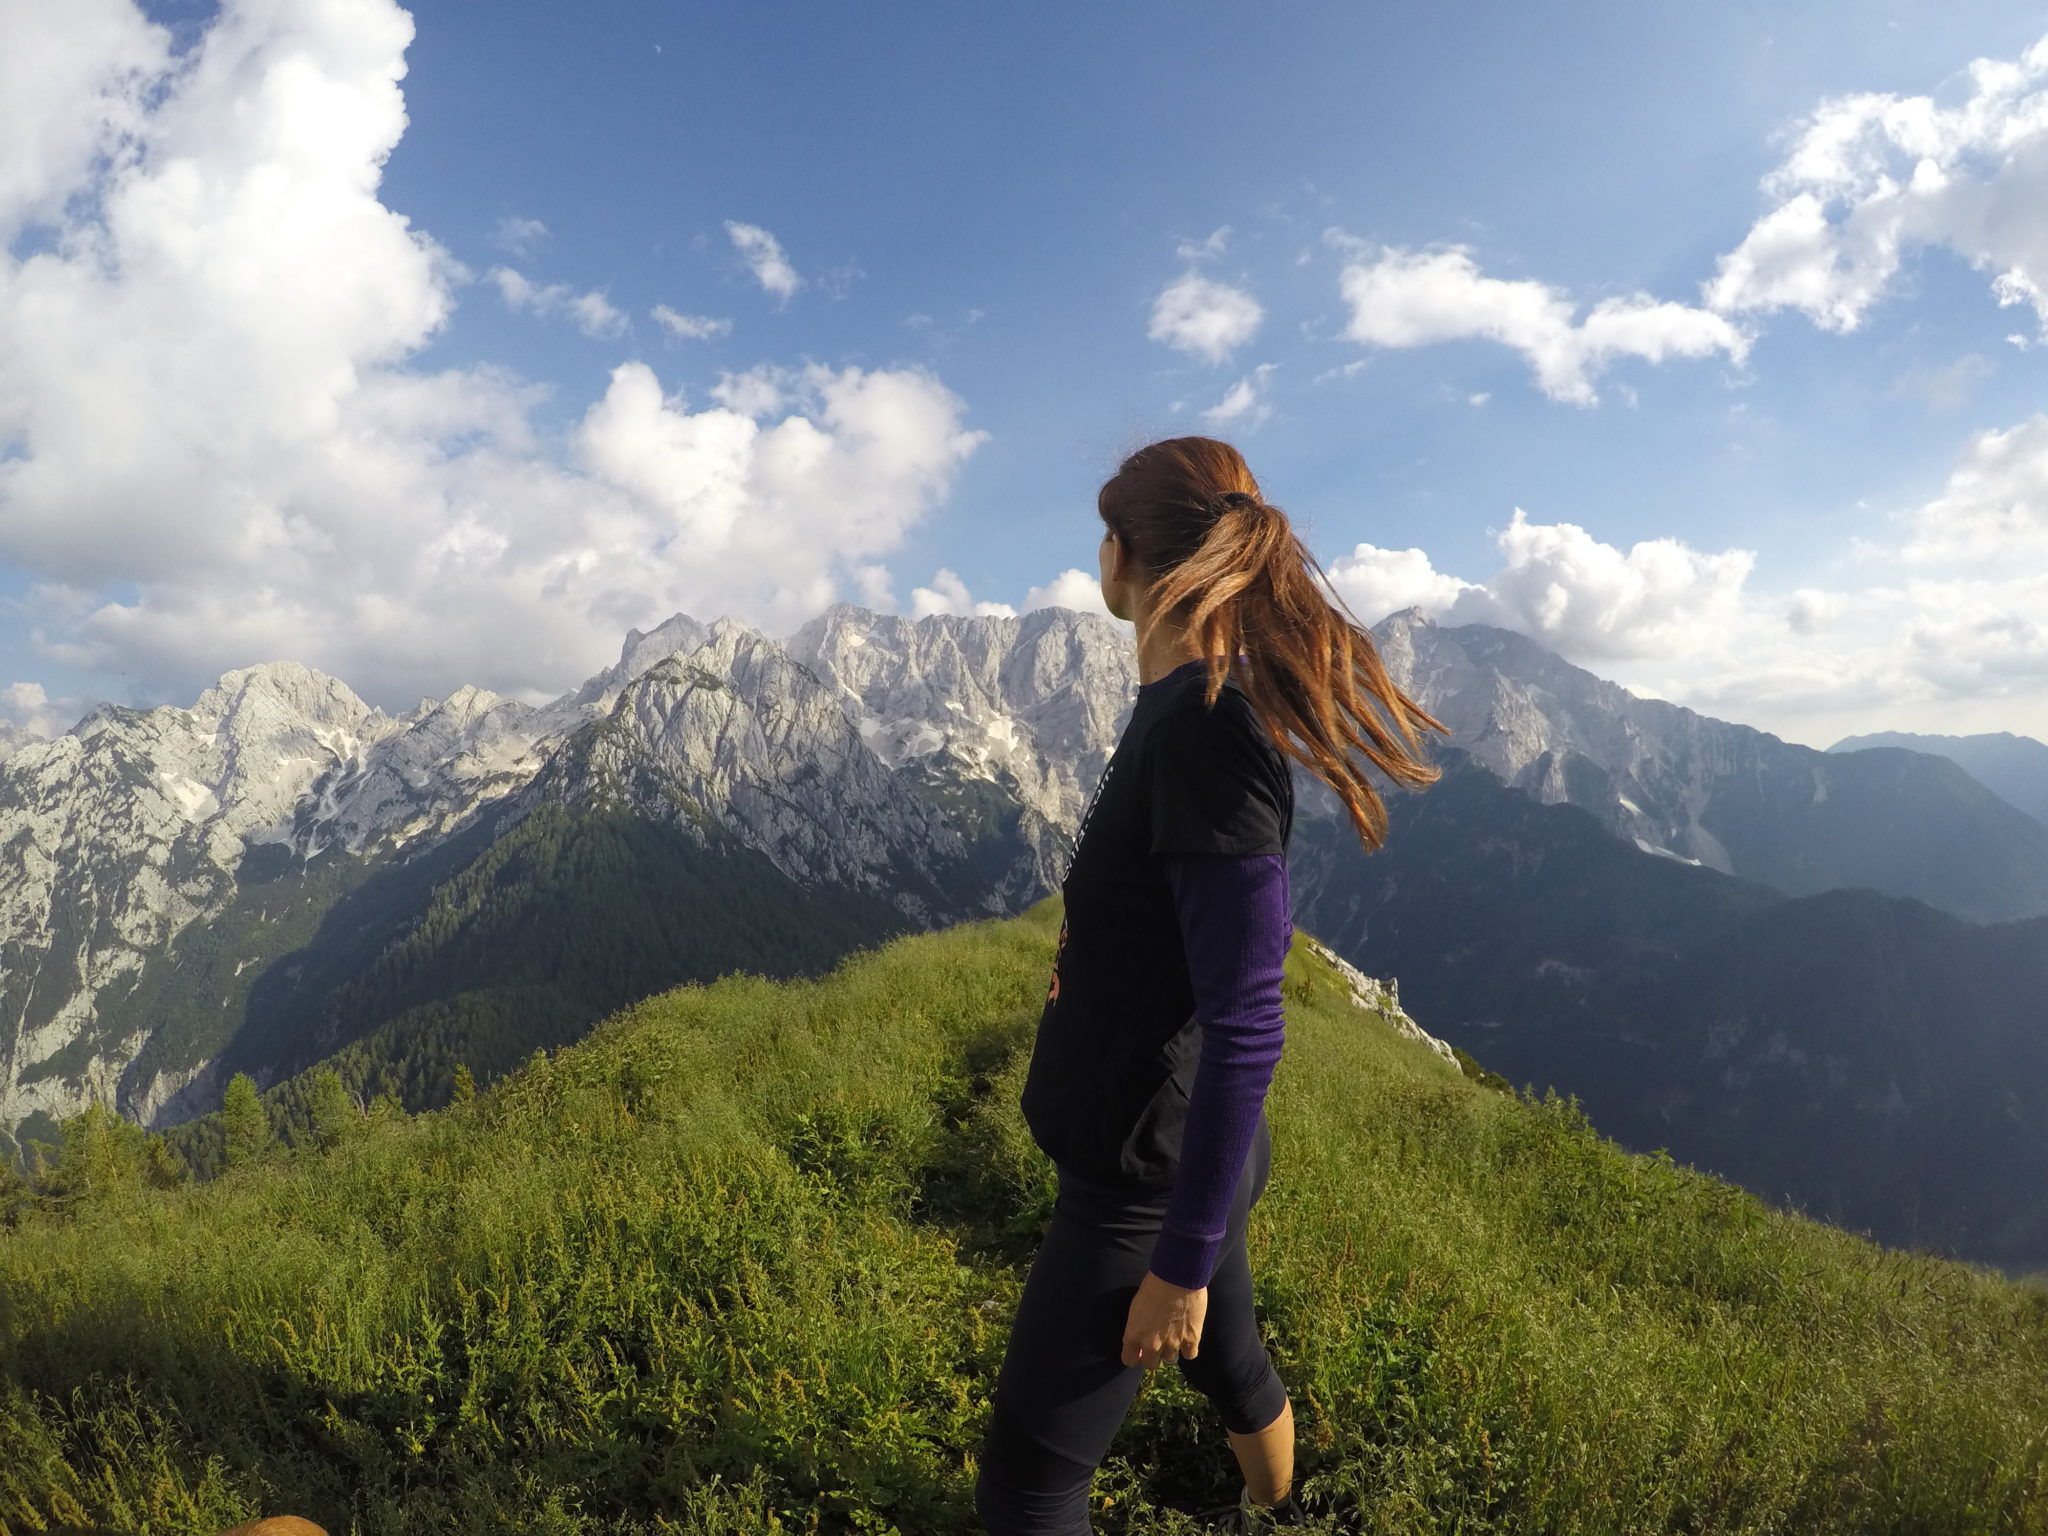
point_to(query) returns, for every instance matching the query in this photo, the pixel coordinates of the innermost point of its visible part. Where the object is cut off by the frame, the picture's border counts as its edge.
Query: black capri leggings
(1064, 1388)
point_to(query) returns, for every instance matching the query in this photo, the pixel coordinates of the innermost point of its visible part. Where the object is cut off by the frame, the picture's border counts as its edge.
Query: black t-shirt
(1118, 1042)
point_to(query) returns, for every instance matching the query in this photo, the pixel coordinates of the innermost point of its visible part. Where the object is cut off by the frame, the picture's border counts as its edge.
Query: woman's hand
(1165, 1320)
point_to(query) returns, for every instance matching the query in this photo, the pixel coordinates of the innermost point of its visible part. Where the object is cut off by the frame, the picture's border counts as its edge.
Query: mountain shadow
(1867, 1058)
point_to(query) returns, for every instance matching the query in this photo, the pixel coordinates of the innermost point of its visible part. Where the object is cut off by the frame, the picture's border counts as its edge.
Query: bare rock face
(1035, 702)
(941, 763)
(1031, 706)
(117, 834)
(458, 753)
(1705, 791)
(735, 735)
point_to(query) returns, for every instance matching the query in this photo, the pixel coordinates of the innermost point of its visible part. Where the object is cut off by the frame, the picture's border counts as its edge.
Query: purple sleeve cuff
(1235, 927)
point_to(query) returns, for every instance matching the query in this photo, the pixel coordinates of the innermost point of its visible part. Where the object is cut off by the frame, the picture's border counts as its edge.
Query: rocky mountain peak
(280, 689)
(596, 695)
(1706, 791)
(736, 737)
(1033, 702)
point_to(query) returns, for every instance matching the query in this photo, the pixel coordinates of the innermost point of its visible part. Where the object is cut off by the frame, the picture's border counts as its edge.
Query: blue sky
(265, 392)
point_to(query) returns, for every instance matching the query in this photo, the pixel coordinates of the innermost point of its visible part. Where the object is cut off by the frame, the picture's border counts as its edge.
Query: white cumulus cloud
(1588, 598)
(1404, 298)
(764, 257)
(1559, 584)
(1375, 582)
(1072, 588)
(1995, 505)
(1205, 318)
(949, 594)
(27, 712)
(74, 82)
(1874, 176)
(220, 447)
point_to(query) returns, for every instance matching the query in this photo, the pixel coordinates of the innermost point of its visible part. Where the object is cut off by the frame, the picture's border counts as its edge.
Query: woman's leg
(1063, 1389)
(1266, 1458)
(1232, 1368)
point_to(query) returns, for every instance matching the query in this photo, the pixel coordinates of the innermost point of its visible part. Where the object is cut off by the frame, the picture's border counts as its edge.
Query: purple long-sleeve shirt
(1235, 924)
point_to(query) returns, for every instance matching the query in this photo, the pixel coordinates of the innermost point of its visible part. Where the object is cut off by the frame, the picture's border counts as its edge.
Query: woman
(1163, 1022)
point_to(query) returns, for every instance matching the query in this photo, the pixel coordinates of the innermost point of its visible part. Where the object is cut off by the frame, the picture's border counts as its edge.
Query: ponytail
(1234, 571)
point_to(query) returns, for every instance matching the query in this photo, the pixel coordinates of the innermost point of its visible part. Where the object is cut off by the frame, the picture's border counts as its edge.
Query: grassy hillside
(744, 1260)
(547, 929)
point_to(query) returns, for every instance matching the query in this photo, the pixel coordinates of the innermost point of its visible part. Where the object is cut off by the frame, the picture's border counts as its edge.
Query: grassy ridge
(744, 1261)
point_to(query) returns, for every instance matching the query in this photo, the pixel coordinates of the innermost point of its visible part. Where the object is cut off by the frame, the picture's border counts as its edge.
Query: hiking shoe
(1244, 1518)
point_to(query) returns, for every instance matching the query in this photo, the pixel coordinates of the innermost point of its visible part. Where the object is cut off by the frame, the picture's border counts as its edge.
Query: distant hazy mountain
(1879, 1063)
(1725, 796)
(2014, 768)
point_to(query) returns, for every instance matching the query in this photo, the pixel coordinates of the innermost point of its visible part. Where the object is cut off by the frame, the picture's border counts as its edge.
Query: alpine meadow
(741, 1261)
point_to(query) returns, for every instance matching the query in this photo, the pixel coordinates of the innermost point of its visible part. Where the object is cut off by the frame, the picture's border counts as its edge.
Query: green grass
(745, 1259)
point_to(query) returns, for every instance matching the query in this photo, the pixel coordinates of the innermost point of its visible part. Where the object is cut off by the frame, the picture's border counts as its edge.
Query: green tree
(162, 1168)
(101, 1152)
(385, 1109)
(16, 1194)
(245, 1121)
(465, 1083)
(334, 1113)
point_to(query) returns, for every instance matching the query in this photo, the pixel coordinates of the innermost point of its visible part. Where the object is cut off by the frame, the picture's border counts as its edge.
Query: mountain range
(281, 869)
(2015, 768)
(1613, 895)
(1698, 790)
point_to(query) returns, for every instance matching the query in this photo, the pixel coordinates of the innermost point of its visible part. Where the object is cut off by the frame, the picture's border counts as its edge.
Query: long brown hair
(1232, 568)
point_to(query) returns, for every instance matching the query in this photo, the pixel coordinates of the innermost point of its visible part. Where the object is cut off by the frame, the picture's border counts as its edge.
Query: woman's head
(1217, 560)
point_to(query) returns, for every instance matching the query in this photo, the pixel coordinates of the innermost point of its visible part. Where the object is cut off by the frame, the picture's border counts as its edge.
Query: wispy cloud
(593, 314)
(1245, 403)
(690, 327)
(517, 236)
(765, 258)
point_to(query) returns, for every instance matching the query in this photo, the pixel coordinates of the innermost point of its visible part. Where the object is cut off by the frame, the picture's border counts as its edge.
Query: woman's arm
(1235, 927)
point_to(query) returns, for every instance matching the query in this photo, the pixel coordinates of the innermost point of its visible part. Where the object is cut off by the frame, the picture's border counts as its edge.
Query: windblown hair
(1230, 567)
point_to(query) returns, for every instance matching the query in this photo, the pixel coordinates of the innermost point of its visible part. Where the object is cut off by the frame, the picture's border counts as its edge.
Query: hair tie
(1233, 501)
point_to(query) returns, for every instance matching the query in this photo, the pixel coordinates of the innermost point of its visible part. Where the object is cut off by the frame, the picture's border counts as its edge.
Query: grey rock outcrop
(1382, 998)
(1705, 791)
